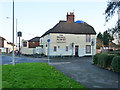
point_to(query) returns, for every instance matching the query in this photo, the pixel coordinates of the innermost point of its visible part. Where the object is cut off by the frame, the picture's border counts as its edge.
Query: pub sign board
(61, 38)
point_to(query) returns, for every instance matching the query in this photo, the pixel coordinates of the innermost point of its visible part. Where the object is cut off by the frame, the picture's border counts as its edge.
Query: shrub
(109, 59)
(115, 52)
(115, 65)
(95, 58)
(102, 60)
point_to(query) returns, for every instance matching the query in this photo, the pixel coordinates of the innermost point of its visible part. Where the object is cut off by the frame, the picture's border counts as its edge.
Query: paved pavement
(79, 69)
(90, 76)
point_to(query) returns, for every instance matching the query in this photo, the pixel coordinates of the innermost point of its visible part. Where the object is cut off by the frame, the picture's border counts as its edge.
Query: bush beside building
(107, 61)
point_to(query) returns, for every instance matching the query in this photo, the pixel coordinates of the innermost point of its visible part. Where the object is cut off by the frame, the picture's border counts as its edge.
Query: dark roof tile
(35, 39)
(71, 28)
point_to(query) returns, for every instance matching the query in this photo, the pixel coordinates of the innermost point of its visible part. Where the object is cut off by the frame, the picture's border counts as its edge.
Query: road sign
(92, 43)
(48, 40)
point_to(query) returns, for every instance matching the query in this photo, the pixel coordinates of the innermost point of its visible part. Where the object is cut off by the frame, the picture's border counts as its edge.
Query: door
(76, 51)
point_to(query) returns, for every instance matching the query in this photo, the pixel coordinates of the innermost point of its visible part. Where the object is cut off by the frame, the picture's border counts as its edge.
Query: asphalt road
(7, 59)
(4, 59)
(83, 71)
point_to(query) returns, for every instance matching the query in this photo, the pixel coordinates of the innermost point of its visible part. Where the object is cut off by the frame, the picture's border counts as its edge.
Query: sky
(35, 17)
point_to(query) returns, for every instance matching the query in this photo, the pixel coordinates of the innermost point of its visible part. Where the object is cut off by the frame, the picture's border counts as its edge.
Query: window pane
(88, 37)
(55, 49)
(88, 49)
(24, 44)
(66, 48)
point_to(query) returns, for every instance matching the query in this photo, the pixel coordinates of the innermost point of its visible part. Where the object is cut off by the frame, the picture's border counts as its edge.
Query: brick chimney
(70, 17)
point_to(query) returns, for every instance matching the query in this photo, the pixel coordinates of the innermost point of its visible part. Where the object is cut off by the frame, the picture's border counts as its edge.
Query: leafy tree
(112, 6)
(115, 33)
(107, 38)
(99, 36)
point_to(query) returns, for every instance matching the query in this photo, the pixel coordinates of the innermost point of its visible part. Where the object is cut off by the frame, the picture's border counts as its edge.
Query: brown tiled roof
(35, 39)
(10, 43)
(71, 28)
(2, 38)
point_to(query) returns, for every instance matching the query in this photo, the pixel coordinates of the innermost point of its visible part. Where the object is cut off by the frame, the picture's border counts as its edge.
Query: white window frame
(88, 51)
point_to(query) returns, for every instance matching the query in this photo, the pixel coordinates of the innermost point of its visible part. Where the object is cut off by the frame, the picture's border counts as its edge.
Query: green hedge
(115, 65)
(95, 58)
(102, 58)
(109, 59)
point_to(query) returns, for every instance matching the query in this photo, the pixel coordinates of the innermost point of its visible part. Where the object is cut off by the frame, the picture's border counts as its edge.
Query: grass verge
(35, 75)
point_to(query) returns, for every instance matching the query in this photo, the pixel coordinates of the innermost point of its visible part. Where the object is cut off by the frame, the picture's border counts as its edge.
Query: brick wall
(1, 42)
(33, 44)
(70, 17)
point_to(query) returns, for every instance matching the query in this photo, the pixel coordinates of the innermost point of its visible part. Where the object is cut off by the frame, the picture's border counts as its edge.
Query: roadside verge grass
(35, 75)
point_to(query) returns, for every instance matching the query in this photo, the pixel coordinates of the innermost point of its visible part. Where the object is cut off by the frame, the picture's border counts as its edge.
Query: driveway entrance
(88, 75)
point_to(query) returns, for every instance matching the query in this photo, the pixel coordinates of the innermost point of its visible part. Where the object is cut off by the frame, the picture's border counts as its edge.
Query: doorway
(76, 51)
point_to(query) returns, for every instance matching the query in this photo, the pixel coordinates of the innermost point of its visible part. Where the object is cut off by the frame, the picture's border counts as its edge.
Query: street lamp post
(13, 37)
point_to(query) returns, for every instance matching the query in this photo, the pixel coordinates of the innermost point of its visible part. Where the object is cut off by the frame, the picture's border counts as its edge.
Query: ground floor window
(55, 48)
(24, 44)
(66, 48)
(88, 48)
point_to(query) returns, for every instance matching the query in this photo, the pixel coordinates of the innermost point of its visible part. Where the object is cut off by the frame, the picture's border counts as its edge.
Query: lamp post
(13, 60)
(13, 36)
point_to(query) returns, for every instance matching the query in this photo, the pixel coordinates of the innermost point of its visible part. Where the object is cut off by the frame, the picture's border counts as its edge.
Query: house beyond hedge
(29, 46)
(69, 38)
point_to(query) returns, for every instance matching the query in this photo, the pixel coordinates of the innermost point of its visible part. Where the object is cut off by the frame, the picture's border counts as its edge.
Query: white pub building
(69, 38)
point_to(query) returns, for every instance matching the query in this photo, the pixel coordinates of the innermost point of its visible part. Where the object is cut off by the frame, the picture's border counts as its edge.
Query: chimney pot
(70, 17)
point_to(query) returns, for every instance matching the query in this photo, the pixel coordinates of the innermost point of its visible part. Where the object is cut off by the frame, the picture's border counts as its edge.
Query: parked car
(16, 52)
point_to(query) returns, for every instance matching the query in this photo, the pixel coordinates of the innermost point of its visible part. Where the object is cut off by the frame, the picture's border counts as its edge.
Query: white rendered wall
(77, 39)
